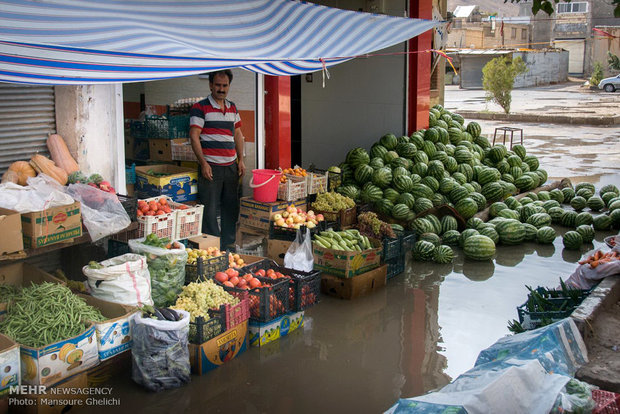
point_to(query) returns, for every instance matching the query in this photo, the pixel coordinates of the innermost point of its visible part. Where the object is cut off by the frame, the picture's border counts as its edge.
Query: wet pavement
(423, 329)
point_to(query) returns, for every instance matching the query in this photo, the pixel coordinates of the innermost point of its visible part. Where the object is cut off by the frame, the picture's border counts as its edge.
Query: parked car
(610, 84)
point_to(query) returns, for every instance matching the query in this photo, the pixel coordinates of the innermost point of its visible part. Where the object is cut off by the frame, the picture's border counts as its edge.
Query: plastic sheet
(585, 276)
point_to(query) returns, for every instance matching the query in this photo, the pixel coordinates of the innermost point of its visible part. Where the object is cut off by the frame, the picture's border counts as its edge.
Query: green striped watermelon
(587, 233)
(451, 237)
(448, 223)
(568, 193)
(568, 218)
(406, 199)
(549, 204)
(493, 191)
(609, 188)
(377, 151)
(382, 177)
(349, 190)
(519, 150)
(384, 206)
(614, 216)
(539, 220)
(530, 232)
(480, 200)
(512, 202)
(496, 207)
(459, 177)
(376, 163)
(400, 211)
(578, 203)
(357, 157)
(601, 222)
(474, 223)
(572, 240)
(595, 203)
(467, 233)
(422, 204)
(584, 192)
(423, 250)
(479, 247)
(443, 254)
(583, 218)
(363, 174)
(474, 129)
(389, 141)
(371, 193)
(491, 233)
(510, 231)
(557, 195)
(545, 235)
(435, 222)
(531, 161)
(391, 194)
(586, 185)
(509, 214)
(466, 207)
(430, 237)
(402, 183)
(406, 149)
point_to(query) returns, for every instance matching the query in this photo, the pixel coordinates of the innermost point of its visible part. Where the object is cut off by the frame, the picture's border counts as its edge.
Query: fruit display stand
(258, 215)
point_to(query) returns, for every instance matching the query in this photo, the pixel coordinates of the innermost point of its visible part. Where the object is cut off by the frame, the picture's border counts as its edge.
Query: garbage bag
(160, 353)
(167, 270)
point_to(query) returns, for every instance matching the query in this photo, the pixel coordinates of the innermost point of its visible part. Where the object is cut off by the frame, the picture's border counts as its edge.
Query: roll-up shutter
(27, 116)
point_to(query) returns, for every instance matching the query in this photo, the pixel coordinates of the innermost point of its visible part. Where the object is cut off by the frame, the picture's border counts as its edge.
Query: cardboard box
(136, 148)
(52, 363)
(54, 401)
(11, 230)
(249, 240)
(203, 241)
(179, 183)
(276, 249)
(219, 350)
(53, 225)
(9, 364)
(114, 334)
(263, 333)
(162, 149)
(258, 215)
(354, 287)
(344, 263)
(23, 274)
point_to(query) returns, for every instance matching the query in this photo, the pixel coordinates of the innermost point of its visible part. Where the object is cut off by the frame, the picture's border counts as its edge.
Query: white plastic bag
(167, 270)
(299, 255)
(124, 279)
(160, 353)
(585, 276)
(102, 213)
(41, 192)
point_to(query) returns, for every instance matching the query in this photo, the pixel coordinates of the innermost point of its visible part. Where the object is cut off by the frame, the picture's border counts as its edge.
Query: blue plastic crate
(395, 267)
(130, 174)
(391, 248)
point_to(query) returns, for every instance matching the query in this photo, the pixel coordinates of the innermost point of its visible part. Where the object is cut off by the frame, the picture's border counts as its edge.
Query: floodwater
(422, 330)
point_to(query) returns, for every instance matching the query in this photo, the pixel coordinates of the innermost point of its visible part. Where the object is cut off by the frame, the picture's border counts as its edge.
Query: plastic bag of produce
(160, 354)
(166, 267)
(575, 397)
(102, 213)
(299, 254)
(123, 279)
(595, 266)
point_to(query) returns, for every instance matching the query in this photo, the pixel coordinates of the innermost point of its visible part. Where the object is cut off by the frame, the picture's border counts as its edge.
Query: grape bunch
(332, 202)
(370, 225)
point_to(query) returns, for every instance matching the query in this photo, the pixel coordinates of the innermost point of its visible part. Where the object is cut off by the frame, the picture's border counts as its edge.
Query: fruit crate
(343, 218)
(289, 234)
(317, 182)
(182, 151)
(532, 319)
(201, 330)
(293, 189)
(117, 248)
(268, 303)
(334, 179)
(575, 295)
(130, 204)
(188, 222)
(395, 267)
(233, 315)
(162, 127)
(391, 248)
(205, 268)
(408, 239)
(304, 289)
(607, 402)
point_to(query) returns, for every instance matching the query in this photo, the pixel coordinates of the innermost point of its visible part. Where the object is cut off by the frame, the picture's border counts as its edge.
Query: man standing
(217, 141)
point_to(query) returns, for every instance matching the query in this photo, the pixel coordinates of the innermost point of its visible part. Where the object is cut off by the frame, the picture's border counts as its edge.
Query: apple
(299, 211)
(277, 217)
(285, 214)
(320, 217)
(289, 220)
(310, 225)
(297, 226)
(280, 222)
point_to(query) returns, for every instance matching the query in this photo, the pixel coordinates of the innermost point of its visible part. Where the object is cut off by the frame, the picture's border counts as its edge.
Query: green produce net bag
(167, 269)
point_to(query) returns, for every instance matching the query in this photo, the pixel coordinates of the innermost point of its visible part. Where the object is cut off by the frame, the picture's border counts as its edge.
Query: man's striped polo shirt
(217, 137)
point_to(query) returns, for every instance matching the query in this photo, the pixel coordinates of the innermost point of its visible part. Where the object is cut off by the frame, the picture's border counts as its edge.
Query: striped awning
(109, 41)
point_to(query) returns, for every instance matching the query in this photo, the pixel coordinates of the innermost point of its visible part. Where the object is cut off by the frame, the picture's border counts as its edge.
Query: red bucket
(265, 184)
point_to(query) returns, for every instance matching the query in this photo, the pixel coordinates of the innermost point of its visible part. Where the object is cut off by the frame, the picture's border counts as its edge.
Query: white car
(610, 84)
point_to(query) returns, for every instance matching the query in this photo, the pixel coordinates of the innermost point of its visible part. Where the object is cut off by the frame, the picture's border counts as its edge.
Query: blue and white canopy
(108, 41)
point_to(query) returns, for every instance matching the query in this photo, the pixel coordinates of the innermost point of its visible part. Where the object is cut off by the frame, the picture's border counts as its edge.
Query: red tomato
(221, 277)
(227, 283)
(163, 201)
(247, 277)
(234, 280)
(242, 283)
(150, 213)
(260, 272)
(254, 283)
(160, 213)
(139, 213)
(231, 272)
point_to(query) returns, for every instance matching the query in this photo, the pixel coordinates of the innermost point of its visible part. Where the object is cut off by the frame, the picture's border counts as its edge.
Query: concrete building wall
(543, 68)
(486, 35)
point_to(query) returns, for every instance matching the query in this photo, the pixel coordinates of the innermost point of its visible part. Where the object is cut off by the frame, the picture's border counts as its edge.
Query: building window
(513, 33)
(581, 7)
(523, 34)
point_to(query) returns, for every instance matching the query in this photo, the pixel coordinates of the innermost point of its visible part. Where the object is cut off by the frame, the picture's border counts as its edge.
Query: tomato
(167, 209)
(163, 201)
(254, 283)
(231, 272)
(159, 213)
(150, 213)
(221, 277)
(139, 213)
(234, 280)
(242, 283)
(247, 277)
(227, 283)
(260, 272)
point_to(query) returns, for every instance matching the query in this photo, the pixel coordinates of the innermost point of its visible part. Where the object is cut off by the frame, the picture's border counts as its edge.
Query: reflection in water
(545, 250)
(571, 256)
(510, 256)
(478, 271)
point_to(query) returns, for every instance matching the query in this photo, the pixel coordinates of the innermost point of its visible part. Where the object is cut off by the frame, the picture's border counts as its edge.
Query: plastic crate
(537, 318)
(289, 234)
(395, 267)
(162, 127)
(334, 179)
(408, 239)
(130, 174)
(304, 289)
(117, 248)
(205, 268)
(233, 315)
(316, 181)
(580, 294)
(391, 248)
(607, 402)
(201, 331)
(163, 226)
(266, 303)
(137, 129)
(130, 204)
(182, 151)
(293, 189)
(188, 222)
(343, 218)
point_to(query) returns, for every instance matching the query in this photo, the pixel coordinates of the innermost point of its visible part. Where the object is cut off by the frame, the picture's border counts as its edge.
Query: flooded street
(417, 334)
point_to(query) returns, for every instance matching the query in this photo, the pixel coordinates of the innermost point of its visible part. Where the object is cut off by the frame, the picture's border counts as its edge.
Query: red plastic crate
(233, 315)
(607, 402)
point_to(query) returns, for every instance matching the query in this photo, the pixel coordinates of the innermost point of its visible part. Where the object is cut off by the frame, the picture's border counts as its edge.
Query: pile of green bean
(46, 313)
(7, 292)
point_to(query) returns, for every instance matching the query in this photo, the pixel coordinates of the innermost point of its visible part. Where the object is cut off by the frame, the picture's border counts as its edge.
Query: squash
(10, 177)
(44, 165)
(23, 170)
(60, 154)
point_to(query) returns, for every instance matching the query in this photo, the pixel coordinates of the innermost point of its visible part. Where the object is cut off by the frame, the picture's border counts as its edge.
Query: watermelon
(351, 191)
(446, 185)
(357, 157)
(406, 149)
(578, 203)
(417, 139)
(371, 193)
(443, 254)
(420, 169)
(525, 168)
(519, 150)
(549, 204)
(467, 171)
(557, 195)
(539, 220)
(493, 191)
(568, 218)
(398, 171)
(406, 199)
(509, 214)
(463, 156)
(403, 139)
(544, 195)
(422, 204)
(530, 232)
(448, 223)
(389, 141)
(444, 137)
(466, 207)
(467, 233)
(377, 151)
(601, 222)
(436, 170)
(615, 218)
(420, 157)
(614, 204)
(363, 173)
(455, 135)
(595, 203)
(531, 161)
(587, 233)
(508, 178)
(524, 182)
(423, 250)
(483, 142)
(568, 193)
(510, 231)
(429, 148)
(607, 197)
(451, 237)
(474, 129)
(479, 247)
(400, 211)
(584, 192)
(435, 222)
(572, 240)
(384, 206)
(514, 161)
(588, 186)
(376, 163)
(609, 188)
(430, 237)
(583, 218)
(402, 183)
(459, 177)
(512, 202)
(382, 177)
(545, 235)
(488, 175)
(439, 199)
(532, 196)
(491, 233)
(516, 172)
(389, 156)
(431, 135)
(496, 207)
(391, 194)
(421, 190)
(480, 200)
(474, 223)
(503, 167)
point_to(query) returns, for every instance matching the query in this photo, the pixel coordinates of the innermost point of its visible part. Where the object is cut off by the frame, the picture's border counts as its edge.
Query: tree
(547, 5)
(498, 78)
(613, 61)
(597, 74)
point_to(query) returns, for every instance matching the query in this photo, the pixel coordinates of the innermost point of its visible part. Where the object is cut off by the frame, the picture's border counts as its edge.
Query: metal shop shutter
(576, 53)
(27, 116)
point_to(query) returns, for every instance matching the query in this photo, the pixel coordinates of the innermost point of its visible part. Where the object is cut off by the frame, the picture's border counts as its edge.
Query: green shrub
(498, 78)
